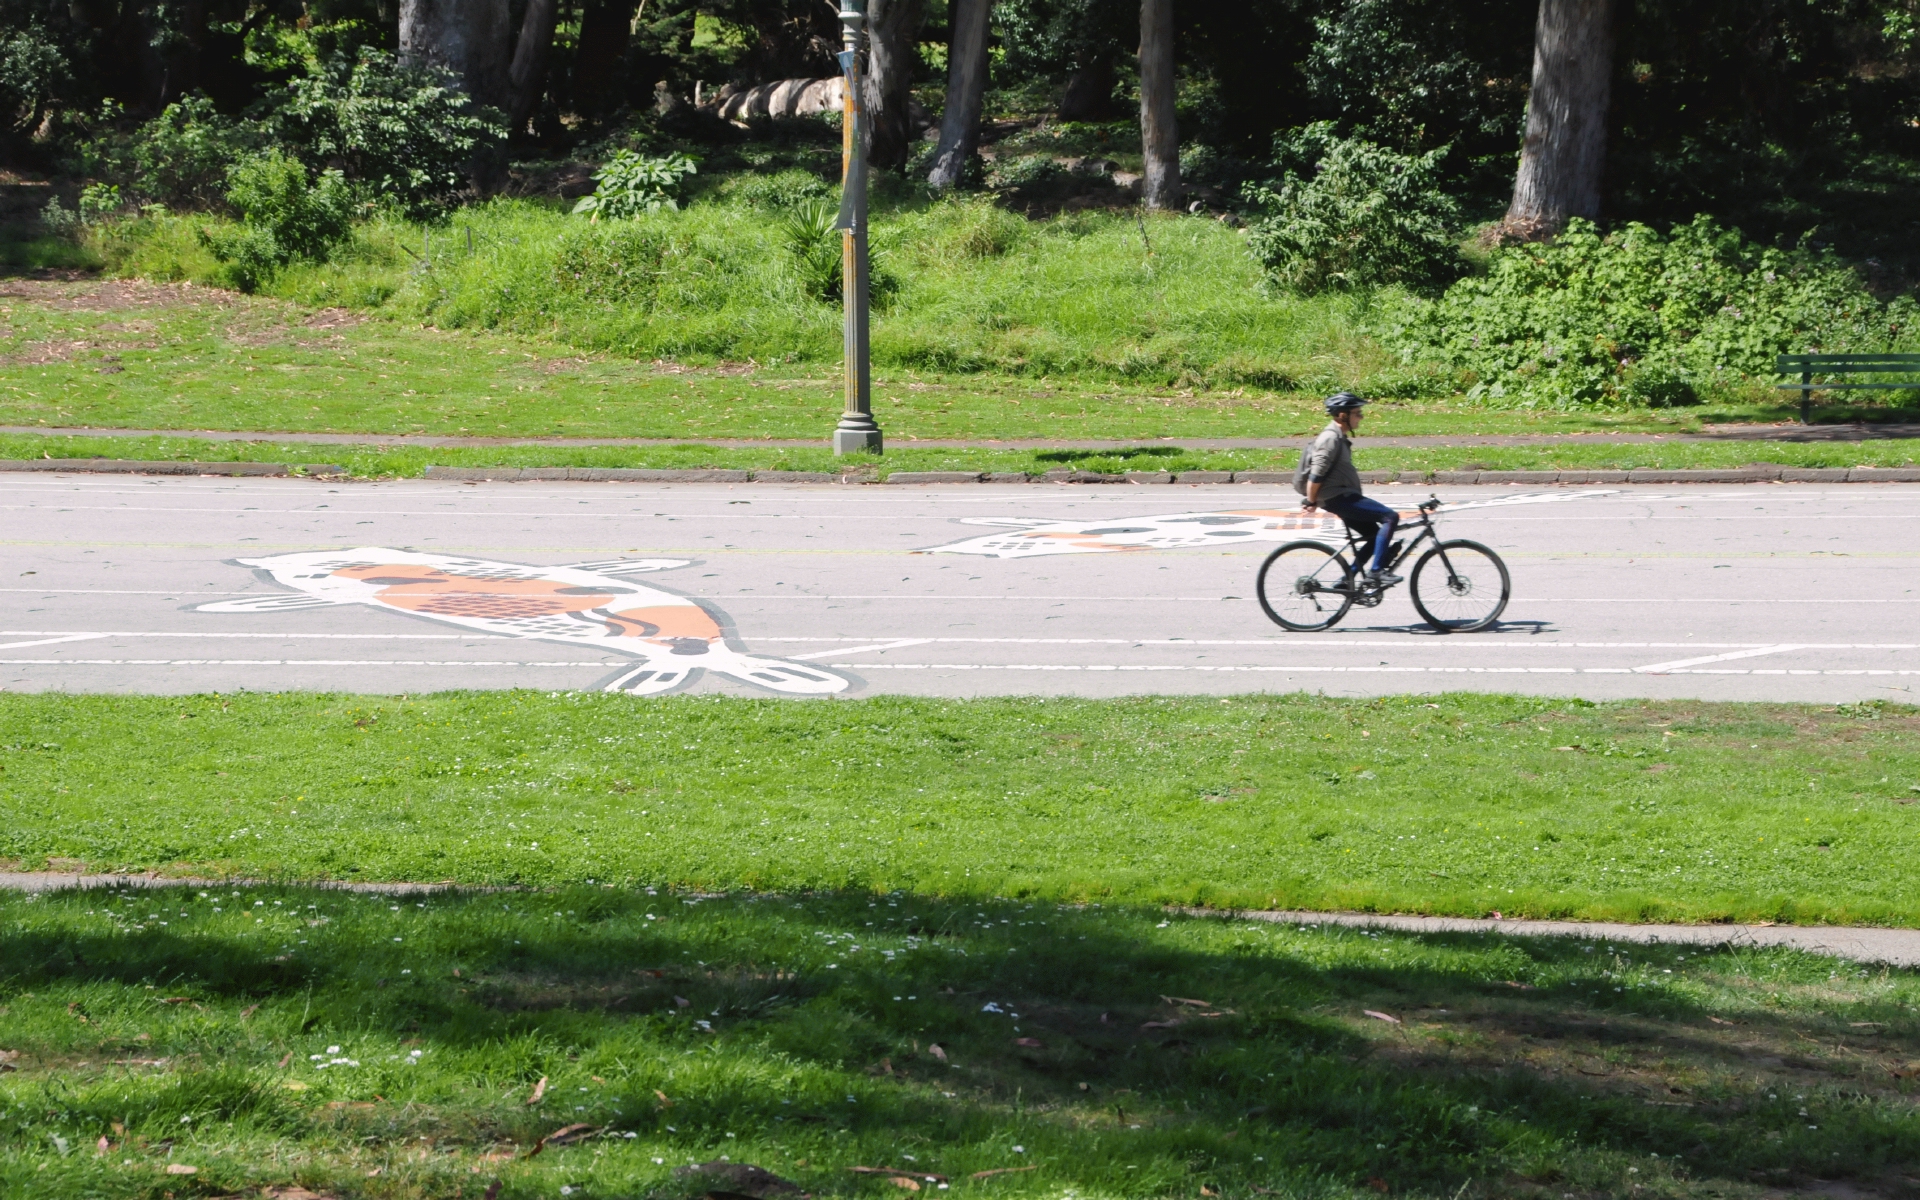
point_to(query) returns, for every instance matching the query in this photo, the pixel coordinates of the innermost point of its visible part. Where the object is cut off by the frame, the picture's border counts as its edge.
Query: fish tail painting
(672, 638)
(1026, 537)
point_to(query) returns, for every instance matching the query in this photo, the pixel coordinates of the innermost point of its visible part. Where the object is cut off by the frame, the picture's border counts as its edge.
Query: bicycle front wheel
(1304, 586)
(1460, 587)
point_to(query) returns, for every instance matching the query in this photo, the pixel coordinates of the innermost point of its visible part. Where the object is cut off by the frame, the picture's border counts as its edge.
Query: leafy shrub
(1637, 317)
(32, 70)
(814, 244)
(1025, 170)
(631, 184)
(183, 155)
(407, 135)
(285, 215)
(1360, 217)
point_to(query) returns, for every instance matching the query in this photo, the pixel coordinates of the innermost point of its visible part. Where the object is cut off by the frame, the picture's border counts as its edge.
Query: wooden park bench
(1846, 366)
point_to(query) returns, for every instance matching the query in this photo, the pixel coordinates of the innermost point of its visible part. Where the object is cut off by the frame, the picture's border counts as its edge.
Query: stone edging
(867, 475)
(133, 466)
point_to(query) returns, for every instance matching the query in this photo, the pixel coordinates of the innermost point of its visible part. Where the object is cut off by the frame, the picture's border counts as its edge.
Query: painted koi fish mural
(585, 604)
(1022, 537)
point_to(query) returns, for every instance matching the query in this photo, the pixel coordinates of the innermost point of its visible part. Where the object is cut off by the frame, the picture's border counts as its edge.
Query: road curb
(908, 478)
(130, 466)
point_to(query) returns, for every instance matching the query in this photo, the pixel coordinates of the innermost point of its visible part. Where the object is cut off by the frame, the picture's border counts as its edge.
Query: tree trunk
(466, 37)
(605, 26)
(1159, 137)
(1565, 152)
(892, 48)
(966, 92)
(527, 76)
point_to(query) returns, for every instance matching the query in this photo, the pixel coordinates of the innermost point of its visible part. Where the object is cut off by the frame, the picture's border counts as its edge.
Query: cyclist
(1328, 480)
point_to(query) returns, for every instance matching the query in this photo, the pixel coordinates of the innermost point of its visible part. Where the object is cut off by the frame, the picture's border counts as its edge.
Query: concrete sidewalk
(1894, 947)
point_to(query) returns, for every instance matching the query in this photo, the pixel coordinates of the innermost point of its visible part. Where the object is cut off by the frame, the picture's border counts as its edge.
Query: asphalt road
(1754, 592)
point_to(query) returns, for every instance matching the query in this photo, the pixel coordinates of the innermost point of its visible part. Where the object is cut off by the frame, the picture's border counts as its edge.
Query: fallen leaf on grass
(681, 1002)
(102, 1146)
(493, 1191)
(1207, 1191)
(566, 1136)
(1867, 1024)
(539, 1090)
(293, 1193)
(176, 999)
(1003, 1171)
(9, 1057)
(936, 1049)
(375, 1171)
(285, 1059)
(896, 1175)
(1380, 1016)
(1718, 1021)
(293, 1085)
(1187, 1002)
(181, 1169)
(1160, 1025)
(73, 1010)
(1379, 1185)
(664, 1102)
(1525, 987)
(248, 1011)
(1030, 1043)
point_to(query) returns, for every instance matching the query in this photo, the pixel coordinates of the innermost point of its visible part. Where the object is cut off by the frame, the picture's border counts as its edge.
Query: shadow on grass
(1114, 1051)
(1126, 453)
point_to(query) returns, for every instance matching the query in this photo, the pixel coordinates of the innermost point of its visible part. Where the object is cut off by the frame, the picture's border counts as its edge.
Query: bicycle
(1453, 584)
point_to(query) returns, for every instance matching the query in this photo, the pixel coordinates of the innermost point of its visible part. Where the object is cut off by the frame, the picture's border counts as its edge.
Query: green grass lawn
(132, 354)
(375, 461)
(224, 1041)
(1465, 804)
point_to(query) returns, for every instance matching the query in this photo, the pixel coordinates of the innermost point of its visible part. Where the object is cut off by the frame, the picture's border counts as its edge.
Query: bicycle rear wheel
(1460, 587)
(1304, 586)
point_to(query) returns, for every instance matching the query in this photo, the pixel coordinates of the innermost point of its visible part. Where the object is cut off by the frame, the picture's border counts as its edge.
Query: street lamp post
(857, 432)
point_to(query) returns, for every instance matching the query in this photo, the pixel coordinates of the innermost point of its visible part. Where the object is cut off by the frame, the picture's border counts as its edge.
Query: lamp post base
(857, 434)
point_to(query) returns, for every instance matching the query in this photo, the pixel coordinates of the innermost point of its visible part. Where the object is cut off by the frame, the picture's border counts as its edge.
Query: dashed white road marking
(1667, 668)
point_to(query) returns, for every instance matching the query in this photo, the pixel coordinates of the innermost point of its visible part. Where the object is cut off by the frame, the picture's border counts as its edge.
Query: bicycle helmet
(1343, 402)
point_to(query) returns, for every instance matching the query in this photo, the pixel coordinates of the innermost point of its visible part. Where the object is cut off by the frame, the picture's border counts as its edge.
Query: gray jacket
(1329, 462)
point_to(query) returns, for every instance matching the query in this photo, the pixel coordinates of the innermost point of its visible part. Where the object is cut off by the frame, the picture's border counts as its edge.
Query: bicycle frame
(1362, 548)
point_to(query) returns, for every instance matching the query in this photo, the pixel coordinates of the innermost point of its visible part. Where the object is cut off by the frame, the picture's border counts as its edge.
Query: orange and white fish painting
(585, 604)
(1024, 537)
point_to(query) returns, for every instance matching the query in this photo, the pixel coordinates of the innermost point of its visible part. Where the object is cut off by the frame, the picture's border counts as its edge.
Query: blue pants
(1364, 517)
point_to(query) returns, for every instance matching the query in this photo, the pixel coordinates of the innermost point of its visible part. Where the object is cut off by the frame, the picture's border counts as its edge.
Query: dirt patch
(112, 295)
(333, 318)
(41, 354)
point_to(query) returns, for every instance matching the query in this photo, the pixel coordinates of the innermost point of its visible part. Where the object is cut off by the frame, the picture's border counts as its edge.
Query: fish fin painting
(1021, 537)
(672, 638)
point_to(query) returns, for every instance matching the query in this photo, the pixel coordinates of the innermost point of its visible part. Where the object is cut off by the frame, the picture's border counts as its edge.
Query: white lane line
(860, 649)
(1282, 641)
(1667, 667)
(53, 641)
(1421, 641)
(300, 662)
(386, 637)
(1318, 670)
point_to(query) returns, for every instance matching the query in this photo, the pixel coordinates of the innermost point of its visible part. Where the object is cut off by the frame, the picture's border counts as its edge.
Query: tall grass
(966, 287)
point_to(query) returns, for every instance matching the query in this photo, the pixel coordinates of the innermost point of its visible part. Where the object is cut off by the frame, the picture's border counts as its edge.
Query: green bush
(1360, 216)
(631, 184)
(1638, 317)
(285, 215)
(408, 136)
